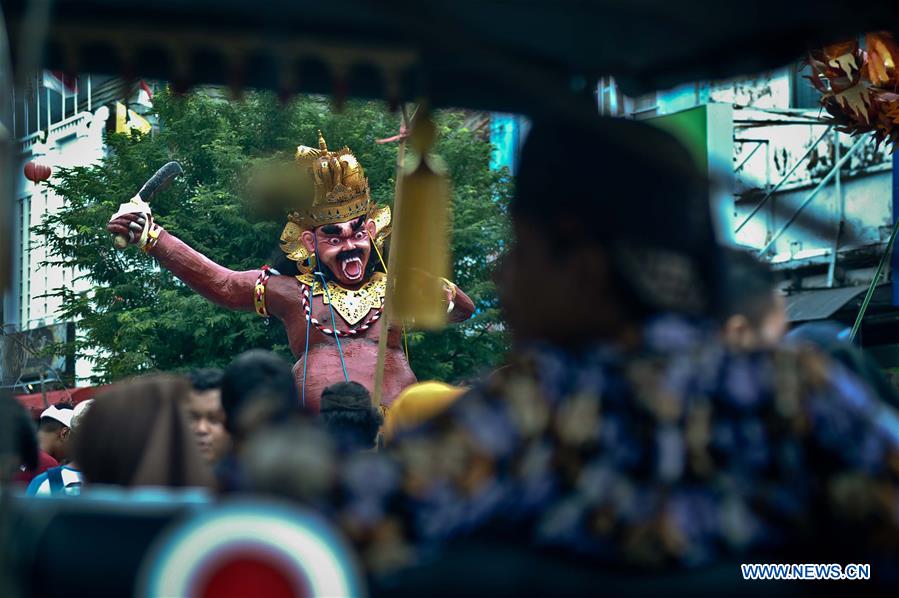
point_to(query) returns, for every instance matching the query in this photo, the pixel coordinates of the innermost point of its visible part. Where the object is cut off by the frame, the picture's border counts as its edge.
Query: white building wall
(75, 141)
(770, 138)
(865, 208)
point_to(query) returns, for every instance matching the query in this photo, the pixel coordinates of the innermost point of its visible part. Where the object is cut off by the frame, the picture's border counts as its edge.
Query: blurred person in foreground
(832, 338)
(18, 442)
(621, 428)
(348, 414)
(54, 429)
(136, 434)
(418, 404)
(206, 415)
(754, 311)
(63, 480)
(258, 392)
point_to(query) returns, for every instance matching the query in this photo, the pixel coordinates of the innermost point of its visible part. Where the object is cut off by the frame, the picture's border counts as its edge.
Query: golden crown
(341, 189)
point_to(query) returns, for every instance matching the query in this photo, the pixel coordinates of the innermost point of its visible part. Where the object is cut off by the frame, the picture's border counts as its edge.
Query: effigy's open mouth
(351, 265)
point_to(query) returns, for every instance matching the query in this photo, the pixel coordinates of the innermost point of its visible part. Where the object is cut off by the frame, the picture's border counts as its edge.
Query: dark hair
(205, 378)
(17, 435)
(349, 416)
(284, 265)
(48, 424)
(747, 288)
(136, 434)
(254, 377)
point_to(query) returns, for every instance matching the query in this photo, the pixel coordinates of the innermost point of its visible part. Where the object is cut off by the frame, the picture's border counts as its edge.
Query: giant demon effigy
(332, 309)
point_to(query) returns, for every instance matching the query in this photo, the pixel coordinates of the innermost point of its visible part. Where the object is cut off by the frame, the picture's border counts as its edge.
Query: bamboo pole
(385, 319)
(873, 286)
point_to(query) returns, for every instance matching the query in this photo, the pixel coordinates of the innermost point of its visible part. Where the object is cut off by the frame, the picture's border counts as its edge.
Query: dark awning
(819, 304)
(484, 54)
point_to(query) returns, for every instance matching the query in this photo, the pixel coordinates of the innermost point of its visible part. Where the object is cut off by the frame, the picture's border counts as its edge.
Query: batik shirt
(679, 454)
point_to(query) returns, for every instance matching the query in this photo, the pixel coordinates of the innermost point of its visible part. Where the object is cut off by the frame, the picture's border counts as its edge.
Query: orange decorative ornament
(860, 87)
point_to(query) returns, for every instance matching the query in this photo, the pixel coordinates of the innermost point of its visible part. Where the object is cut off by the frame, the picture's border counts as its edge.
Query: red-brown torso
(360, 353)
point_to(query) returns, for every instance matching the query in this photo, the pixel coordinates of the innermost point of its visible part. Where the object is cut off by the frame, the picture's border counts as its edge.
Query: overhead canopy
(521, 56)
(819, 304)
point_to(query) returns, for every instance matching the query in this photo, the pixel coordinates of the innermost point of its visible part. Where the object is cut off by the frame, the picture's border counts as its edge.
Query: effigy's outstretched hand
(129, 226)
(133, 222)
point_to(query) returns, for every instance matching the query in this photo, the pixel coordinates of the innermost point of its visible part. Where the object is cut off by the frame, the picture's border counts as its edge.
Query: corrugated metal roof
(818, 304)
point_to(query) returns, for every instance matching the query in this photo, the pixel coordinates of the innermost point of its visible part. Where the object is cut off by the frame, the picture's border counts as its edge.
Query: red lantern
(37, 173)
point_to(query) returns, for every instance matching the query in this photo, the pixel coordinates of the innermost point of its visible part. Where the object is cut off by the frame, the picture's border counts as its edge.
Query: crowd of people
(650, 412)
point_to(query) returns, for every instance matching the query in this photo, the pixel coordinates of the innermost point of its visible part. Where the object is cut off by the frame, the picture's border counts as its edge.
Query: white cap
(79, 411)
(63, 416)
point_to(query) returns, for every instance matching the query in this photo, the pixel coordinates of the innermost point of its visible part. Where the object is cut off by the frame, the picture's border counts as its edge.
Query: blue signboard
(505, 136)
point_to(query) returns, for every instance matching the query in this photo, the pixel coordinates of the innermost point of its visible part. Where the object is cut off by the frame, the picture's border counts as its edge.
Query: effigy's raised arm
(223, 286)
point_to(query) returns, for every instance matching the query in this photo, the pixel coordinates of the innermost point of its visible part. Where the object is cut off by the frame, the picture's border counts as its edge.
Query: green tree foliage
(138, 317)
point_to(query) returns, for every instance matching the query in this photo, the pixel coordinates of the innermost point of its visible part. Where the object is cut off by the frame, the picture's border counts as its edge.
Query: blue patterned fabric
(678, 453)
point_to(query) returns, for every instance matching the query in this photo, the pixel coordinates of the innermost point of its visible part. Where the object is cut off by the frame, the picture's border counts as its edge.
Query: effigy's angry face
(343, 248)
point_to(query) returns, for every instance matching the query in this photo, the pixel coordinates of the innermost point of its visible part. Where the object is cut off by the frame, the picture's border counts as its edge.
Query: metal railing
(27, 142)
(70, 123)
(758, 143)
(824, 182)
(780, 183)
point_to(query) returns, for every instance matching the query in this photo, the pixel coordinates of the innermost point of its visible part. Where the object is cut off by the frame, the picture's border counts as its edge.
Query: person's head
(753, 311)
(205, 413)
(54, 429)
(135, 434)
(612, 225)
(258, 389)
(349, 415)
(344, 249)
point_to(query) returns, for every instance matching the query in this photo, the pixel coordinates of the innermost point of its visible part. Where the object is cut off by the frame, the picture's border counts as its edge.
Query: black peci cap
(632, 188)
